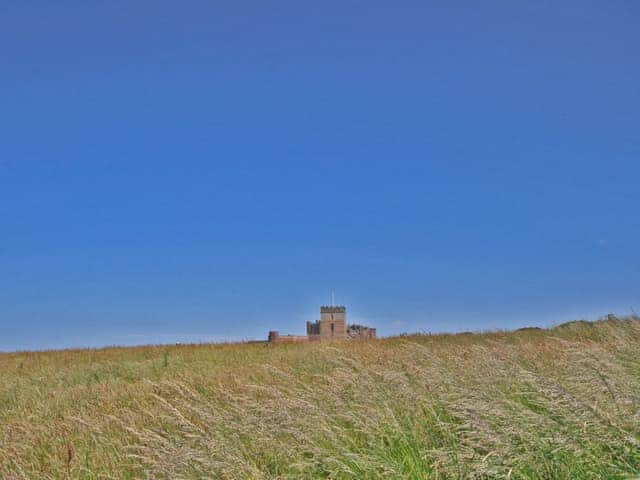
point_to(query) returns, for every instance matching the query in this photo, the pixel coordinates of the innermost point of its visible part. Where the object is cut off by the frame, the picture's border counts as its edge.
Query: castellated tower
(332, 324)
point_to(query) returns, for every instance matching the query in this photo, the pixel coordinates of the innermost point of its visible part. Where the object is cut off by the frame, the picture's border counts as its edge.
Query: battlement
(333, 309)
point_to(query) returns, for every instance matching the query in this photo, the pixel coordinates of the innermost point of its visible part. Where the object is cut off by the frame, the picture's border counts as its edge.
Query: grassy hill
(559, 403)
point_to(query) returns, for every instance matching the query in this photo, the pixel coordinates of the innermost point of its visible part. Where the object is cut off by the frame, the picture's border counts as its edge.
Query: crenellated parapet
(333, 309)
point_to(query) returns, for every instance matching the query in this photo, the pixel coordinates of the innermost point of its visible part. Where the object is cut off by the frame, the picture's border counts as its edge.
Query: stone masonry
(331, 326)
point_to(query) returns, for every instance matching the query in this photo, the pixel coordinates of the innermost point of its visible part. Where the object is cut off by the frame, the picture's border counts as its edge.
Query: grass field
(552, 404)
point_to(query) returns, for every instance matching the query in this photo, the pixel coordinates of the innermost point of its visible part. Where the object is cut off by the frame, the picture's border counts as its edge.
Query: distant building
(331, 326)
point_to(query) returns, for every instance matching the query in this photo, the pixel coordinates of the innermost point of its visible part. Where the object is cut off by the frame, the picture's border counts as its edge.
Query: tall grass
(535, 404)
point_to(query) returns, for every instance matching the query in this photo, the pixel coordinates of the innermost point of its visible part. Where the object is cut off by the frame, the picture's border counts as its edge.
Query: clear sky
(209, 170)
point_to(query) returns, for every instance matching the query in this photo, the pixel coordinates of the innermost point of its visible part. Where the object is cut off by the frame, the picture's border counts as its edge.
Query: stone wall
(275, 337)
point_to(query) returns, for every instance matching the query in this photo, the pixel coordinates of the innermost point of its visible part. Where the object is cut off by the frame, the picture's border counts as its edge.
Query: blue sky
(203, 170)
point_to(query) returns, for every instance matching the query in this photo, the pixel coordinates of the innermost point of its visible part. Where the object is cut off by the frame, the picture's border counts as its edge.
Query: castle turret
(274, 336)
(333, 322)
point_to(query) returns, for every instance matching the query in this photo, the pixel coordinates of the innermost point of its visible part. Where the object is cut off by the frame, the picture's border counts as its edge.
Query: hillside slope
(560, 403)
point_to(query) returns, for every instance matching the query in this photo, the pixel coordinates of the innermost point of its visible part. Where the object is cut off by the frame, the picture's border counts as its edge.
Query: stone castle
(331, 326)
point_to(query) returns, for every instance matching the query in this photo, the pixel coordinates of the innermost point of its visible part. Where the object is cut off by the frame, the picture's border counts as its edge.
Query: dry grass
(560, 403)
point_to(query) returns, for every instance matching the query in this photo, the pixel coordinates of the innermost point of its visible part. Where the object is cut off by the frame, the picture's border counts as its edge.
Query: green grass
(531, 404)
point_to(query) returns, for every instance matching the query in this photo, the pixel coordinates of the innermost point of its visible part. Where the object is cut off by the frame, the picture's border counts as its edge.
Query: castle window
(332, 329)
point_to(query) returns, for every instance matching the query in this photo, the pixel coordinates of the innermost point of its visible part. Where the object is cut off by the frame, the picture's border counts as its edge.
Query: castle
(331, 326)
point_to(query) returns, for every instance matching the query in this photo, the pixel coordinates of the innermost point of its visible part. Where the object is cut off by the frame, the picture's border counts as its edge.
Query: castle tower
(333, 322)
